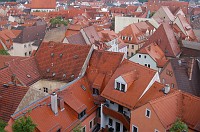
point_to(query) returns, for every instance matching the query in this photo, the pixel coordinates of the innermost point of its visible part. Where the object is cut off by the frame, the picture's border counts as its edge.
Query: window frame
(135, 127)
(146, 111)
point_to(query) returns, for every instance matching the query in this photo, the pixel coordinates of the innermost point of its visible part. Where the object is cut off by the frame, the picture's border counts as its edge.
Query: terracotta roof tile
(165, 38)
(41, 4)
(11, 97)
(135, 90)
(58, 61)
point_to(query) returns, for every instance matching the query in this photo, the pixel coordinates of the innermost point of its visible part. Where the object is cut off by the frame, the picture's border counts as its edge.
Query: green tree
(58, 21)
(78, 128)
(3, 124)
(23, 124)
(3, 52)
(179, 126)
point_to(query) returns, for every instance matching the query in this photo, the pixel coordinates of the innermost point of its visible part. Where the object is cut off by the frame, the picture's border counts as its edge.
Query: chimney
(61, 103)
(166, 89)
(13, 79)
(54, 105)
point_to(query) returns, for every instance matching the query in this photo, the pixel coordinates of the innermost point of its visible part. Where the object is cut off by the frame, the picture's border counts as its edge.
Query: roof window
(64, 75)
(61, 55)
(75, 56)
(52, 54)
(28, 75)
(48, 70)
(53, 74)
(83, 87)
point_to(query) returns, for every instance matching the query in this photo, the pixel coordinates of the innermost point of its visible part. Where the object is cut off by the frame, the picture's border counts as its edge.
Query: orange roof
(156, 54)
(46, 120)
(42, 4)
(135, 90)
(178, 104)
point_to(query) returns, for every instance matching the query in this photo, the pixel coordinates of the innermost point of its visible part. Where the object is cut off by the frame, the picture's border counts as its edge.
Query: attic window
(28, 75)
(72, 76)
(53, 74)
(48, 70)
(52, 54)
(83, 87)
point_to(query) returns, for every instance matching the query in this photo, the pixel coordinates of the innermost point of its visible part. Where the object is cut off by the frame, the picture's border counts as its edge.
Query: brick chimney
(13, 79)
(54, 103)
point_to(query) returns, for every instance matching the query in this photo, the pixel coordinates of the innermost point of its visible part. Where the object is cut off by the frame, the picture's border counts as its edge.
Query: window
(149, 65)
(139, 56)
(132, 53)
(91, 125)
(118, 86)
(117, 127)
(145, 64)
(163, 81)
(81, 114)
(25, 53)
(122, 87)
(29, 52)
(24, 46)
(110, 122)
(128, 46)
(172, 85)
(132, 46)
(148, 113)
(145, 56)
(156, 130)
(83, 129)
(59, 130)
(135, 129)
(129, 38)
(95, 91)
(120, 108)
(111, 102)
(45, 89)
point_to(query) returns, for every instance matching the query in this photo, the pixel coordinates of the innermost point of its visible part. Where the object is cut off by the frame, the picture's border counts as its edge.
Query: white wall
(43, 10)
(124, 50)
(143, 60)
(20, 49)
(122, 22)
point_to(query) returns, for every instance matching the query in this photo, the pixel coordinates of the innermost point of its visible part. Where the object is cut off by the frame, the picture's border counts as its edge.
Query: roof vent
(48, 70)
(75, 56)
(53, 74)
(83, 87)
(28, 75)
(61, 55)
(52, 54)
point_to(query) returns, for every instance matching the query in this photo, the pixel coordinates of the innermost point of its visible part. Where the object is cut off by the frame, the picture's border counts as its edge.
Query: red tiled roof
(156, 54)
(58, 61)
(11, 97)
(135, 90)
(6, 58)
(178, 104)
(67, 119)
(42, 4)
(165, 38)
(102, 63)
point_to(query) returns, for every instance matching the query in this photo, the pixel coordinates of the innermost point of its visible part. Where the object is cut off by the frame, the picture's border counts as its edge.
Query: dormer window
(81, 114)
(120, 84)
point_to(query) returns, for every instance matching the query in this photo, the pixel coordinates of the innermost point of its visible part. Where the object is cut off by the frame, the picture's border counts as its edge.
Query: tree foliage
(3, 124)
(3, 52)
(58, 21)
(23, 124)
(78, 128)
(179, 126)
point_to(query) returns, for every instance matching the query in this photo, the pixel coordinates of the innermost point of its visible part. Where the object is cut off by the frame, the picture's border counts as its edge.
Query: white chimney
(54, 103)
(166, 89)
